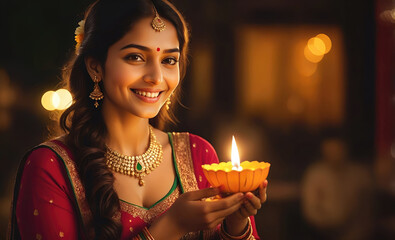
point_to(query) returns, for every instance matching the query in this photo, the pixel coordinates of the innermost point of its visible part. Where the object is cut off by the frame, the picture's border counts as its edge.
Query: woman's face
(142, 70)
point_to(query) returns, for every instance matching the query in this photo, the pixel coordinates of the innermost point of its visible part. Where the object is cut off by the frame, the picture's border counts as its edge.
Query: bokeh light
(59, 100)
(46, 101)
(65, 99)
(312, 57)
(316, 46)
(327, 41)
(55, 100)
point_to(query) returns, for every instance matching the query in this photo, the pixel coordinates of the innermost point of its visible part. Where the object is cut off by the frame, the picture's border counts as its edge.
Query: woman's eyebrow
(136, 46)
(147, 49)
(171, 50)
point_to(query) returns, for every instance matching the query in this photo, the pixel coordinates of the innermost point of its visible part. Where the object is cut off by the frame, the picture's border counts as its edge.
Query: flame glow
(235, 156)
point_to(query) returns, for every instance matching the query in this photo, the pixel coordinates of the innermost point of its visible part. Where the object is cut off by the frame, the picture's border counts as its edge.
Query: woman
(109, 176)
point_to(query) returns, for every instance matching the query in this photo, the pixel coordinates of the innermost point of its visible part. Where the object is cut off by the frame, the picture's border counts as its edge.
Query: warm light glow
(311, 57)
(306, 68)
(59, 100)
(65, 99)
(55, 100)
(295, 105)
(327, 41)
(388, 15)
(47, 100)
(235, 156)
(316, 46)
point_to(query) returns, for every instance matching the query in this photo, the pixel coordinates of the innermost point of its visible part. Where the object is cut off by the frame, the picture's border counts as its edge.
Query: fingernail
(264, 184)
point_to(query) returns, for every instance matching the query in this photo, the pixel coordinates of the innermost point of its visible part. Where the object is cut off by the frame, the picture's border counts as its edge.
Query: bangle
(246, 235)
(147, 234)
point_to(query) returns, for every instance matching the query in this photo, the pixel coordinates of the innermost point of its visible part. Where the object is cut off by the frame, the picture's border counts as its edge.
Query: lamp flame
(235, 156)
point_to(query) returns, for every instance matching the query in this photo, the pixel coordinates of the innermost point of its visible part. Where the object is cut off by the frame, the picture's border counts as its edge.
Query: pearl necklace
(136, 166)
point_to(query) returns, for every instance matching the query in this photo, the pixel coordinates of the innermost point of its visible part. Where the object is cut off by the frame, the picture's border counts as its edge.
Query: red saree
(49, 199)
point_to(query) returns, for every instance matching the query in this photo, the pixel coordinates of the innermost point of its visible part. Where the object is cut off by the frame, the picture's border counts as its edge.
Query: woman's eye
(170, 61)
(134, 57)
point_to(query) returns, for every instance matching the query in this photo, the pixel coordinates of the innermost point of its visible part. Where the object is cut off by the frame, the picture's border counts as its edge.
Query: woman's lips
(147, 96)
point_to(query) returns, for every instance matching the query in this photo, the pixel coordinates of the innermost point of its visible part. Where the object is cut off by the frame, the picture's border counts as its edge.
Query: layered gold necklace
(136, 166)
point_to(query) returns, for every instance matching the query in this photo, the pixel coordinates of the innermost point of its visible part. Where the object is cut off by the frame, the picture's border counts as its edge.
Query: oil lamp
(234, 176)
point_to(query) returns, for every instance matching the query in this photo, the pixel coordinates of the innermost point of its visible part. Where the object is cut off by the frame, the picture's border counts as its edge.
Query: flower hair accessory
(79, 35)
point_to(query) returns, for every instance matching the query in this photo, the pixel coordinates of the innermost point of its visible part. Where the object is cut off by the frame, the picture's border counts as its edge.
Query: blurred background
(308, 86)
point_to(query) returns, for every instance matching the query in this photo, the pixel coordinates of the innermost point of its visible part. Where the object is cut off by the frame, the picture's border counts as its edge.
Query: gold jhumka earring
(96, 94)
(157, 23)
(168, 102)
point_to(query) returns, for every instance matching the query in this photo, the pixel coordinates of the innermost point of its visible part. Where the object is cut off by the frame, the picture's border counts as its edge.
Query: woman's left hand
(237, 221)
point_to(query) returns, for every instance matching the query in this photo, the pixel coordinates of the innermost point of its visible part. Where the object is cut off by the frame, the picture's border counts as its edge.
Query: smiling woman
(113, 175)
(139, 79)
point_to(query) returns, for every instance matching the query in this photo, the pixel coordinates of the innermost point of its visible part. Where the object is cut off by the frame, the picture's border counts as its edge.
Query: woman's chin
(148, 114)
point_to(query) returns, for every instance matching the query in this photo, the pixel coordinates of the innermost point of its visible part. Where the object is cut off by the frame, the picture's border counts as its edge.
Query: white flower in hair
(80, 29)
(79, 35)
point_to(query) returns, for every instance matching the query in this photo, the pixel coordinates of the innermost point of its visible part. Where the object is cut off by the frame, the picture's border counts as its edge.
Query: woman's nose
(154, 73)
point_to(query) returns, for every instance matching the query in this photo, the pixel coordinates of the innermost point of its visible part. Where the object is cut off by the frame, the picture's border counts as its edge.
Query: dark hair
(106, 21)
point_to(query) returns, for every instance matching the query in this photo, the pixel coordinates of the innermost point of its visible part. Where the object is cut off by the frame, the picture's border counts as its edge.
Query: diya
(233, 177)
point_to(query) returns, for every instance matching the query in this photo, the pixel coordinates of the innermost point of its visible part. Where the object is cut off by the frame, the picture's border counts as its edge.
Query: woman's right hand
(189, 213)
(192, 214)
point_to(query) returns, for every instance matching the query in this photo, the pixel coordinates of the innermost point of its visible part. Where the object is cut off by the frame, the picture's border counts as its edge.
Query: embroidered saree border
(184, 162)
(13, 231)
(186, 173)
(79, 191)
(149, 215)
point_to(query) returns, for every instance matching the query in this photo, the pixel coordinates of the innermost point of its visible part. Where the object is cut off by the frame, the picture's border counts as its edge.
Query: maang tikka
(157, 23)
(96, 94)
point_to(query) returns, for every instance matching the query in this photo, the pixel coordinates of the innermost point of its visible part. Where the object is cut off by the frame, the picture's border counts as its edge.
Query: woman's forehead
(142, 33)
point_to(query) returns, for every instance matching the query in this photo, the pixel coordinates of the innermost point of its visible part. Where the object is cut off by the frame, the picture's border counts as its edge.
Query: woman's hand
(192, 214)
(189, 213)
(236, 222)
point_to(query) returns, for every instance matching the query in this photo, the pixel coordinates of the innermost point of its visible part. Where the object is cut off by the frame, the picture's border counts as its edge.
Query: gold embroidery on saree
(184, 161)
(149, 215)
(76, 183)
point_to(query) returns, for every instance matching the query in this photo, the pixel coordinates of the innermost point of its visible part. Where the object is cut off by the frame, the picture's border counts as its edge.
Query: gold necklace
(136, 166)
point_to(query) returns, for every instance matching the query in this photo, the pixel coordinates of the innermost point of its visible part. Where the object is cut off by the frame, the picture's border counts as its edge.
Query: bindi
(158, 49)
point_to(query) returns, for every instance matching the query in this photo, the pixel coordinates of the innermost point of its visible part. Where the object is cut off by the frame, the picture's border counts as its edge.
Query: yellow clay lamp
(233, 177)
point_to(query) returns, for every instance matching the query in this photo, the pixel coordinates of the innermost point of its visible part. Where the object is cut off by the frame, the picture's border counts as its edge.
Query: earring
(168, 102)
(96, 94)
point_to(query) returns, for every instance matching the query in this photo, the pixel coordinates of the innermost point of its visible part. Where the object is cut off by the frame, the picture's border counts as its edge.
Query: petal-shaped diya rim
(232, 181)
(227, 166)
